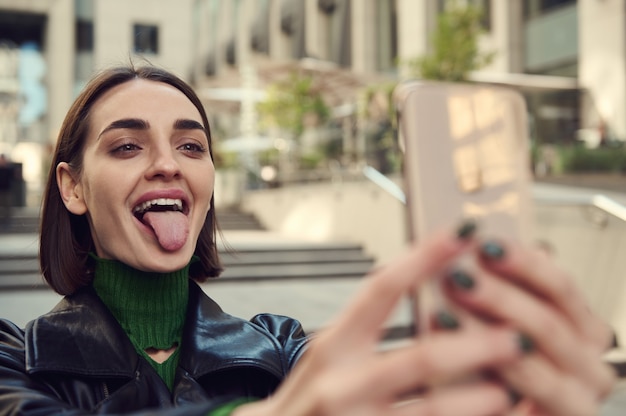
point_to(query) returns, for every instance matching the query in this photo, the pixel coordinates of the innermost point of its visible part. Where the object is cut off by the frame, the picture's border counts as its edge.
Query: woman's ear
(70, 189)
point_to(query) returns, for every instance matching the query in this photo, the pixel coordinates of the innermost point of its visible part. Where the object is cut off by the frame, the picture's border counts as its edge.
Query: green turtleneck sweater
(150, 307)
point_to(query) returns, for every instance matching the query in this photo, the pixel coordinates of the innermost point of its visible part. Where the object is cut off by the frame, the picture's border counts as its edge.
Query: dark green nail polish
(466, 230)
(461, 279)
(492, 250)
(525, 343)
(445, 320)
(514, 397)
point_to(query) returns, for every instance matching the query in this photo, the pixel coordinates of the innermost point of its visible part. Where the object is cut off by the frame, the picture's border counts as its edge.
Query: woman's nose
(164, 164)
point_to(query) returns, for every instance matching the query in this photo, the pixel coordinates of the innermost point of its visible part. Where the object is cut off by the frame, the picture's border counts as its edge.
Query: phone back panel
(466, 156)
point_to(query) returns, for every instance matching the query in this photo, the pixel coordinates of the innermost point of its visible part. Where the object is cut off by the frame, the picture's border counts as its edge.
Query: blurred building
(48, 49)
(567, 56)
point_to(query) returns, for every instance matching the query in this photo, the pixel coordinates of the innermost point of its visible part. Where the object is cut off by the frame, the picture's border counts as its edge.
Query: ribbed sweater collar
(149, 306)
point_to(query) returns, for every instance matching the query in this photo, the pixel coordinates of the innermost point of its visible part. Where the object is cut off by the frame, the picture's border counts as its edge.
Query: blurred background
(309, 172)
(298, 90)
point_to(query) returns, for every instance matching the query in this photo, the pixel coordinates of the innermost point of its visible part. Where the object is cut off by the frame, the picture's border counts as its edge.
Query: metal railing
(599, 201)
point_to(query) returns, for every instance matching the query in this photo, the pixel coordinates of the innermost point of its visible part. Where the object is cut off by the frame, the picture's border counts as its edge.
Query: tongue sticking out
(171, 228)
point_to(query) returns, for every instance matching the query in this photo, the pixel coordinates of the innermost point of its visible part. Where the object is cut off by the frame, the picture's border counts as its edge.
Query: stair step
(248, 261)
(292, 257)
(18, 265)
(292, 271)
(237, 220)
(26, 220)
(18, 281)
(25, 273)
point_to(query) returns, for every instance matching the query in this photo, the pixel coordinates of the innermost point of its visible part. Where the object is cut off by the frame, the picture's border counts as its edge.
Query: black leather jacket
(77, 360)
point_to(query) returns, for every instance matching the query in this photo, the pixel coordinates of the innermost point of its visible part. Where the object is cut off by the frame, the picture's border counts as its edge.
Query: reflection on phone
(484, 151)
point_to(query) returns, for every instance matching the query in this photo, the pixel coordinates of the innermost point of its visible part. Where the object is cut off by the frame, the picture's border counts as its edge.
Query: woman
(128, 218)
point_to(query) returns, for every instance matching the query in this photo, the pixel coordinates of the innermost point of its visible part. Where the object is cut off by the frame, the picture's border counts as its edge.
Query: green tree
(291, 103)
(455, 50)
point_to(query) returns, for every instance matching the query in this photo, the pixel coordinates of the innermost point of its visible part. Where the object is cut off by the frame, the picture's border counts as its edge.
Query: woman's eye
(125, 148)
(192, 148)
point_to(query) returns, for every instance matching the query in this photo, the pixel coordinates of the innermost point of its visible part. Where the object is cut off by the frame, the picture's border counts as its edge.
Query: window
(84, 36)
(535, 8)
(340, 34)
(386, 36)
(292, 24)
(259, 31)
(146, 38)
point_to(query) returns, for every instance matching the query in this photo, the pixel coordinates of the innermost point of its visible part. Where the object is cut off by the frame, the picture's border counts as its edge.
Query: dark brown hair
(65, 238)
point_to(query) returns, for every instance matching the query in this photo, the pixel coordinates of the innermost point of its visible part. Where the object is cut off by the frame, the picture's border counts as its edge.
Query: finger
(361, 321)
(477, 399)
(441, 359)
(548, 389)
(535, 271)
(551, 333)
(382, 379)
(526, 408)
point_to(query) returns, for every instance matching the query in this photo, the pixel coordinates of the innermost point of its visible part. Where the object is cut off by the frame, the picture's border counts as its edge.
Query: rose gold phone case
(466, 155)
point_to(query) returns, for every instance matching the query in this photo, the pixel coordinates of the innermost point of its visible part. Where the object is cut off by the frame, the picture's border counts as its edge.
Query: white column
(278, 44)
(363, 32)
(311, 28)
(602, 63)
(504, 37)
(415, 22)
(60, 57)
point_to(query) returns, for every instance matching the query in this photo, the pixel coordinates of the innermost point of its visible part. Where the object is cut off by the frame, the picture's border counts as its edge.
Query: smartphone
(466, 156)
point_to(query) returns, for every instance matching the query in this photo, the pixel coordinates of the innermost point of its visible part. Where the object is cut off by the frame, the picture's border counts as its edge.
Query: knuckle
(548, 326)
(425, 362)
(563, 287)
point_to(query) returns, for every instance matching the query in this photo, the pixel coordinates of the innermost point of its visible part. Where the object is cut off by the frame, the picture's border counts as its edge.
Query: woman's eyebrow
(126, 123)
(188, 124)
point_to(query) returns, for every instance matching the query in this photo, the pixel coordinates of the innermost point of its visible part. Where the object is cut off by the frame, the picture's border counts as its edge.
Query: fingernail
(514, 397)
(492, 250)
(445, 320)
(461, 279)
(525, 343)
(466, 230)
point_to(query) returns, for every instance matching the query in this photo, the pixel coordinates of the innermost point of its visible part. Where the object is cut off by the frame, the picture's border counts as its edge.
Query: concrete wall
(350, 211)
(113, 32)
(590, 245)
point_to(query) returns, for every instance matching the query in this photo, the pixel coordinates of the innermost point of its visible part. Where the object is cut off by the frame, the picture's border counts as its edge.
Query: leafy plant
(581, 159)
(291, 103)
(455, 49)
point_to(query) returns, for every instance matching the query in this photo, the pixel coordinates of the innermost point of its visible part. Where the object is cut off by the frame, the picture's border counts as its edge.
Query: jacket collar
(213, 340)
(80, 336)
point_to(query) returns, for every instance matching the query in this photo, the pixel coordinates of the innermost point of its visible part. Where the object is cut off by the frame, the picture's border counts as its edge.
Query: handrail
(610, 205)
(600, 201)
(385, 183)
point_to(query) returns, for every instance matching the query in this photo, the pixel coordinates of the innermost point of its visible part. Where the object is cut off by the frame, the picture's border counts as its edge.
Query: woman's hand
(344, 373)
(524, 289)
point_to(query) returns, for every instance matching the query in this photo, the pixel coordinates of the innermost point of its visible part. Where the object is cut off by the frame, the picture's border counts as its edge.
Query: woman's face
(147, 176)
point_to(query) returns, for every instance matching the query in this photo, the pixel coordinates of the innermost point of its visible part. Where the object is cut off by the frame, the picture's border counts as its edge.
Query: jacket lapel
(79, 336)
(213, 340)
